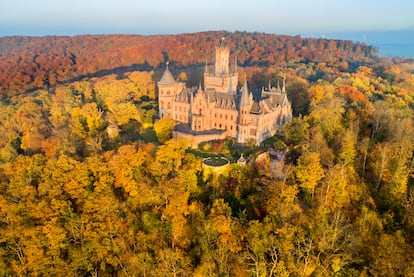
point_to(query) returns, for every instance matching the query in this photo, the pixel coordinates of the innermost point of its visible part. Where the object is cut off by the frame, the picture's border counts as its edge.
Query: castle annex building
(220, 109)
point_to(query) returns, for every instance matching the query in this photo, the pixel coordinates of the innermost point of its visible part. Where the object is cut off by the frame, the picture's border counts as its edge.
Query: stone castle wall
(195, 139)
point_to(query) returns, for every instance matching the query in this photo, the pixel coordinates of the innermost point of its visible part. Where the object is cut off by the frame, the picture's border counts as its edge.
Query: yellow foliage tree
(309, 171)
(163, 129)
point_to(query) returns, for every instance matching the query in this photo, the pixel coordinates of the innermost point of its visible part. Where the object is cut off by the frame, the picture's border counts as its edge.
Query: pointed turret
(269, 86)
(206, 69)
(284, 85)
(230, 90)
(235, 66)
(167, 77)
(245, 99)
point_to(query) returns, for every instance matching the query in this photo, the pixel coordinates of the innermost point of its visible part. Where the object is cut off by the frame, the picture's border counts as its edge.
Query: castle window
(168, 92)
(220, 126)
(199, 111)
(168, 105)
(231, 117)
(231, 127)
(220, 116)
(225, 117)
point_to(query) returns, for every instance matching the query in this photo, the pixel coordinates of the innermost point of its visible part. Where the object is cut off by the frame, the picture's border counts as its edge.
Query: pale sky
(71, 17)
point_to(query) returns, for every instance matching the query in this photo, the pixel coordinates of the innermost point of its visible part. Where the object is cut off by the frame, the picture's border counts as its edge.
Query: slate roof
(245, 99)
(167, 77)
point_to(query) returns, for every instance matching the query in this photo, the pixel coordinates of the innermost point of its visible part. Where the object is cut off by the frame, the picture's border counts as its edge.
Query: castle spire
(284, 84)
(230, 89)
(235, 66)
(269, 86)
(206, 69)
(245, 100)
(167, 77)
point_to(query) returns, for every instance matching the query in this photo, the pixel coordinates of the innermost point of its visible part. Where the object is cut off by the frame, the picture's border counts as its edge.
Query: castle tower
(222, 60)
(222, 80)
(244, 112)
(168, 88)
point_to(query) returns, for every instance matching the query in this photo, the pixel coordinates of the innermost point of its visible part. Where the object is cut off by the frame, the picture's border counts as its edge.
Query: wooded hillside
(92, 185)
(41, 62)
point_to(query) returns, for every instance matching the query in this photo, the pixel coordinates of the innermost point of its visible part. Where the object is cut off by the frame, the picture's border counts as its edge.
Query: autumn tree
(163, 129)
(309, 171)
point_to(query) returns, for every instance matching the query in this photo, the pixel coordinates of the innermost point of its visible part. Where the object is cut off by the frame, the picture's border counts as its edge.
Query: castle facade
(221, 109)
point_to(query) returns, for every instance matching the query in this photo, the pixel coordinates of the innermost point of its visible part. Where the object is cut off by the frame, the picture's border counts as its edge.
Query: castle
(220, 109)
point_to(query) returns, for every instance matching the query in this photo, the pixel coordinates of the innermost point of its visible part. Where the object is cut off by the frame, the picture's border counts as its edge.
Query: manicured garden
(215, 161)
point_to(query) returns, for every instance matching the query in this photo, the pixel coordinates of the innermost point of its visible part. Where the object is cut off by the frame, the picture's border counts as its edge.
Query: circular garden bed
(216, 161)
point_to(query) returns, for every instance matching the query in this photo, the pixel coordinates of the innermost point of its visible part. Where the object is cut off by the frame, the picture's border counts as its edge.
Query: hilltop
(41, 62)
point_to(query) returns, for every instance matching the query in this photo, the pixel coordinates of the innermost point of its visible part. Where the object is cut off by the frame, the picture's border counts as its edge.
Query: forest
(92, 184)
(43, 62)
